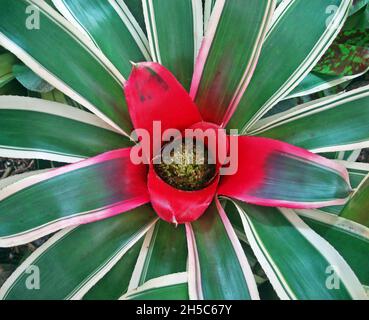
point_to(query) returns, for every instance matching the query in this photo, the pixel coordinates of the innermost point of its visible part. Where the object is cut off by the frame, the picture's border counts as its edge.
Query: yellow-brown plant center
(187, 166)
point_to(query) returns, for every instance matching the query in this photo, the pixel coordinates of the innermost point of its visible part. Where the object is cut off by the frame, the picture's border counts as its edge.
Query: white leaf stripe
(309, 108)
(206, 46)
(247, 272)
(63, 9)
(53, 80)
(359, 166)
(11, 281)
(194, 270)
(353, 156)
(63, 222)
(53, 108)
(274, 275)
(87, 283)
(307, 65)
(198, 27)
(133, 26)
(248, 73)
(276, 278)
(335, 221)
(366, 288)
(345, 273)
(79, 37)
(56, 82)
(123, 12)
(99, 273)
(357, 169)
(5, 182)
(323, 86)
(211, 29)
(150, 21)
(149, 16)
(364, 181)
(142, 260)
(24, 153)
(209, 4)
(55, 225)
(157, 283)
(280, 11)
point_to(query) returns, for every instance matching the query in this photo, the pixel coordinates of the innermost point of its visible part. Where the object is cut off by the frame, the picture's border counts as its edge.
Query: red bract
(153, 94)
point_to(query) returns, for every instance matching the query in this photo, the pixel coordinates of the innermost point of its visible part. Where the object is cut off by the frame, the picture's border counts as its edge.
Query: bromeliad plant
(230, 64)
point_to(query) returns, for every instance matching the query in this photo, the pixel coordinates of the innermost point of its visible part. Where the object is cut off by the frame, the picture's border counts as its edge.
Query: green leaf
(322, 125)
(357, 173)
(115, 283)
(169, 287)
(315, 82)
(358, 20)
(350, 239)
(63, 275)
(64, 58)
(87, 191)
(228, 56)
(357, 5)
(117, 33)
(30, 80)
(162, 253)
(298, 262)
(297, 39)
(13, 87)
(175, 30)
(34, 128)
(135, 7)
(357, 209)
(58, 96)
(218, 268)
(351, 155)
(7, 60)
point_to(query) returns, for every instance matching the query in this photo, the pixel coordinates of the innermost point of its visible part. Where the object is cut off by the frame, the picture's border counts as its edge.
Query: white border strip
(206, 46)
(64, 10)
(149, 16)
(103, 270)
(38, 252)
(335, 221)
(355, 165)
(198, 26)
(51, 78)
(53, 108)
(157, 283)
(194, 270)
(274, 275)
(250, 68)
(246, 269)
(5, 182)
(133, 27)
(207, 12)
(6, 152)
(141, 260)
(80, 37)
(306, 66)
(324, 86)
(347, 276)
(310, 108)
